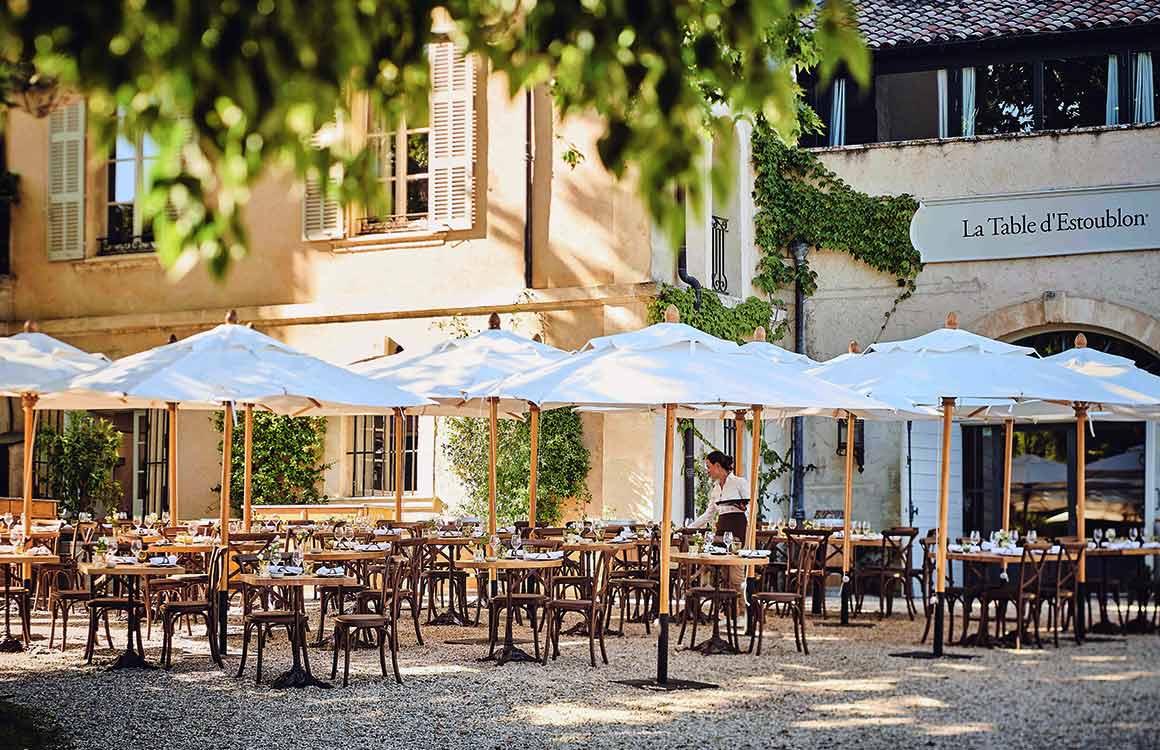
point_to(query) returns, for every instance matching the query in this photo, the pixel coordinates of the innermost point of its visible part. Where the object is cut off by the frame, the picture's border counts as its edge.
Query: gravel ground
(848, 690)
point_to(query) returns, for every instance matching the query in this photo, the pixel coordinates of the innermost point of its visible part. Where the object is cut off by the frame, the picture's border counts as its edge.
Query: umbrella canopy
(984, 375)
(231, 364)
(1119, 372)
(35, 363)
(447, 372)
(672, 363)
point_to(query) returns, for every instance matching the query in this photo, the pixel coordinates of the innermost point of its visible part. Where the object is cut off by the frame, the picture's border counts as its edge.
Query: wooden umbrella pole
(1081, 418)
(227, 466)
(847, 516)
(492, 449)
(533, 466)
(944, 488)
(665, 542)
(174, 516)
(754, 470)
(738, 441)
(1008, 448)
(400, 436)
(28, 402)
(248, 471)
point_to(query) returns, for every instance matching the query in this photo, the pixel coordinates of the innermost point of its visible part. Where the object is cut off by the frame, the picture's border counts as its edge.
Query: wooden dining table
(447, 549)
(517, 571)
(715, 644)
(131, 574)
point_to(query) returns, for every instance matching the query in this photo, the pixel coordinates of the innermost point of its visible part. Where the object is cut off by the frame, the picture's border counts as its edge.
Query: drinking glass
(1032, 536)
(296, 558)
(1111, 535)
(1097, 534)
(494, 541)
(517, 542)
(688, 523)
(17, 537)
(727, 539)
(135, 545)
(1014, 537)
(8, 519)
(975, 538)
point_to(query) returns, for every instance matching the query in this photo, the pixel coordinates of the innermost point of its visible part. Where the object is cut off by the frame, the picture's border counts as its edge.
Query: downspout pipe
(529, 161)
(797, 459)
(690, 474)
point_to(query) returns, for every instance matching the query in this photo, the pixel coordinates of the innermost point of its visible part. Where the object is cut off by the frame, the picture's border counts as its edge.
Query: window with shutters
(372, 455)
(427, 167)
(125, 185)
(66, 182)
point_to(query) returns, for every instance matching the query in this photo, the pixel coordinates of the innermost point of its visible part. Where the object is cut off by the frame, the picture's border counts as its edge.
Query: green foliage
(799, 199)
(564, 462)
(81, 458)
(287, 461)
(729, 323)
(260, 79)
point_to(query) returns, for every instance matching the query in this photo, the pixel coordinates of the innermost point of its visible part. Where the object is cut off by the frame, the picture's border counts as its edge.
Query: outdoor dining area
(320, 590)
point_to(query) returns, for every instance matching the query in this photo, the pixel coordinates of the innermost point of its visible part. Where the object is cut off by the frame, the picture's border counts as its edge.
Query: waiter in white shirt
(728, 498)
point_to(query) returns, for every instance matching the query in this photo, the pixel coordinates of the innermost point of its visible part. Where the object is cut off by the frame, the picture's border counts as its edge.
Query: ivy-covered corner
(798, 199)
(729, 323)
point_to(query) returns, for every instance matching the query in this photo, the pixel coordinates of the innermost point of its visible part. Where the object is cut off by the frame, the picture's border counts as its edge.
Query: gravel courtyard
(848, 690)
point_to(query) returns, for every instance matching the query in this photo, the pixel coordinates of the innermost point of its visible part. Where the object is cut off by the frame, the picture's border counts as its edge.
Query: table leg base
(669, 686)
(714, 646)
(581, 629)
(450, 618)
(130, 660)
(11, 645)
(1139, 626)
(1105, 627)
(511, 653)
(929, 655)
(298, 677)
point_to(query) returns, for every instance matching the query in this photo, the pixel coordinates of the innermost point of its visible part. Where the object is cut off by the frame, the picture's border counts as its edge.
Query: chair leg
(600, 636)
(334, 654)
(535, 632)
(802, 618)
(246, 630)
(262, 632)
(90, 642)
(347, 637)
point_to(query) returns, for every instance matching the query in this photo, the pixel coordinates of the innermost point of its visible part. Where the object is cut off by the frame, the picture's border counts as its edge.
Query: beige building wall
(593, 273)
(1114, 292)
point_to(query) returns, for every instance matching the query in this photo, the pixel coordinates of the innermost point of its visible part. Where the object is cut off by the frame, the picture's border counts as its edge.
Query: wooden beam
(666, 533)
(738, 441)
(400, 436)
(492, 449)
(944, 489)
(754, 465)
(1081, 417)
(848, 500)
(28, 403)
(224, 511)
(1008, 448)
(248, 469)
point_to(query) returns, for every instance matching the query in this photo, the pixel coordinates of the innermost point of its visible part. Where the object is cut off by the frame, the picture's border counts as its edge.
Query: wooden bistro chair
(585, 595)
(261, 621)
(206, 608)
(636, 585)
(818, 574)
(1061, 592)
(67, 590)
(792, 602)
(1035, 568)
(100, 606)
(890, 572)
(405, 588)
(384, 623)
(953, 595)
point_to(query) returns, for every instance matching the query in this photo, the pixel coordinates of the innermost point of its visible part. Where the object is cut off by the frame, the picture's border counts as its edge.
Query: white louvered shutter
(66, 182)
(452, 148)
(322, 216)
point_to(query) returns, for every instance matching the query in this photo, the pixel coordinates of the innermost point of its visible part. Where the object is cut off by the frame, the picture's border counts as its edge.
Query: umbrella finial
(672, 314)
(493, 322)
(30, 326)
(1080, 341)
(172, 338)
(952, 320)
(538, 339)
(759, 333)
(232, 316)
(853, 347)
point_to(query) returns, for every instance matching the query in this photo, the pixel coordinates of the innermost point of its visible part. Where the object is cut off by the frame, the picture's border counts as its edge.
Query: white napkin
(954, 548)
(1091, 545)
(551, 555)
(328, 572)
(1010, 551)
(40, 550)
(754, 553)
(715, 549)
(163, 561)
(382, 532)
(6, 548)
(1150, 545)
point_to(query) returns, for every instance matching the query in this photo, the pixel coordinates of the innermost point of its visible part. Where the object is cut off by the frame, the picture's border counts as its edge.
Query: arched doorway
(1043, 461)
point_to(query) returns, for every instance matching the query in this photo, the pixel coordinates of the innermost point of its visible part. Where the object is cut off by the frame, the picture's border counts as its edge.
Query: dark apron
(734, 522)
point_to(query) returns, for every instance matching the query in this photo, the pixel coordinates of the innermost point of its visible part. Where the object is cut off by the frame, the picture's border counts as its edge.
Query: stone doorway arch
(1058, 309)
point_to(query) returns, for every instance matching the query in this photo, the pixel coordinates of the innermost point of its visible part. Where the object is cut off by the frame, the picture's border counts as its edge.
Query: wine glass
(517, 542)
(727, 539)
(688, 522)
(1097, 534)
(16, 535)
(1014, 538)
(1032, 536)
(1132, 534)
(135, 546)
(1110, 535)
(8, 519)
(976, 537)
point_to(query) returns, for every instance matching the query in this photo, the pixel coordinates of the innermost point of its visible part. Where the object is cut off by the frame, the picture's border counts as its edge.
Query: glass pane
(122, 181)
(417, 197)
(417, 159)
(148, 147)
(383, 147)
(1075, 92)
(124, 149)
(1003, 101)
(119, 221)
(907, 105)
(1039, 484)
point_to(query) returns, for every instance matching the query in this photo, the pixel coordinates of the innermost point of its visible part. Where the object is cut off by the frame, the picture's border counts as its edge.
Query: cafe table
(447, 549)
(1140, 624)
(354, 558)
(718, 563)
(8, 559)
(299, 675)
(517, 570)
(130, 574)
(587, 550)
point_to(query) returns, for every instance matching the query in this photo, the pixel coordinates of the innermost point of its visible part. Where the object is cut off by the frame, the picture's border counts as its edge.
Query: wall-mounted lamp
(859, 441)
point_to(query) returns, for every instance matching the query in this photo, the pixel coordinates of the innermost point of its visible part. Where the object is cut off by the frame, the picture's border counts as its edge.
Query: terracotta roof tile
(899, 23)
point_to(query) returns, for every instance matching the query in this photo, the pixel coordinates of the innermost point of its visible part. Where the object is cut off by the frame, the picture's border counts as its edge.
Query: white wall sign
(1060, 222)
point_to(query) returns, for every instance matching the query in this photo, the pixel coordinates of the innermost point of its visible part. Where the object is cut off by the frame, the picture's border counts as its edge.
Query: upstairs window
(1075, 93)
(402, 161)
(125, 184)
(998, 99)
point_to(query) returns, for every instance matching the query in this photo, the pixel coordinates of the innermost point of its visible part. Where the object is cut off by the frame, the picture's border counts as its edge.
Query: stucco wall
(1115, 291)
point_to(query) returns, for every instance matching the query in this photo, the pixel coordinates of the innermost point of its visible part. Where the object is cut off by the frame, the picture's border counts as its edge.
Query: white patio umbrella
(667, 365)
(31, 365)
(445, 374)
(225, 366)
(965, 374)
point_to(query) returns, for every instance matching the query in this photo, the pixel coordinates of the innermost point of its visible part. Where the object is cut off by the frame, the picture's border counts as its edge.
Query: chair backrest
(807, 557)
(898, 547)
(217, 558)
(1070, 553)
(1033, 566)
(601, 573)
(414, 552)
(797, 537)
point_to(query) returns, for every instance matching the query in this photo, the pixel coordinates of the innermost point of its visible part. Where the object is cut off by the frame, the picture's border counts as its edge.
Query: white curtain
(1112, 111)
(838, 113)
(968, 101)
(1145, 110)
(943, 117)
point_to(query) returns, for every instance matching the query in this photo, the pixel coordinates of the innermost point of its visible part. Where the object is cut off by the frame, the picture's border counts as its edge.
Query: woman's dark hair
(719, 458)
